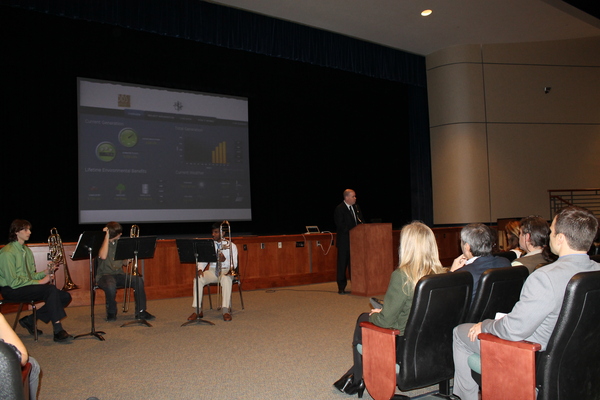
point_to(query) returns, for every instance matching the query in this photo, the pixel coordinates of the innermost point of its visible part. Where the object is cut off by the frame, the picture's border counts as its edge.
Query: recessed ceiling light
(426, 13)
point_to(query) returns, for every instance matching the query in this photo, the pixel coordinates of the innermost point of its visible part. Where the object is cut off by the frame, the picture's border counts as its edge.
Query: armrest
(385, 331)
(379, 360)
(507, 368)
(523, 344)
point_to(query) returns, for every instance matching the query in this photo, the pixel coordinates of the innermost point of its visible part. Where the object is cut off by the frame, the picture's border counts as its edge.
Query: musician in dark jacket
(110, 276)
(346, 215)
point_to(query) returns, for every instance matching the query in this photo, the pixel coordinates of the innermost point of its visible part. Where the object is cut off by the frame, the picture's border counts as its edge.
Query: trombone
(225, 235)
(57, 256)
(132, 270)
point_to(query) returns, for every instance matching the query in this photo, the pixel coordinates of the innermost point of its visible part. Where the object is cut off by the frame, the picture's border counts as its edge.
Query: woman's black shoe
(344, 383)
(355, 388)
(361, 389)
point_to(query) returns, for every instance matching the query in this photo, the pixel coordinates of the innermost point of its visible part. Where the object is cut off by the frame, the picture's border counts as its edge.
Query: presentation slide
(149, 154)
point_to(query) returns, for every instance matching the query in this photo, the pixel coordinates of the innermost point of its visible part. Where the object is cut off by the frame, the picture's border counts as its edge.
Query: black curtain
(326, 112)
(237, 29)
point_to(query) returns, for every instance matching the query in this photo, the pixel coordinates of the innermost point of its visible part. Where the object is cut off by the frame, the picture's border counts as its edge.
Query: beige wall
(498, 142)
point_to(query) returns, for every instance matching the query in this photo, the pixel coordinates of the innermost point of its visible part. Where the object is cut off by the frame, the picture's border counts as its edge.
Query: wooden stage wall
(265, 262)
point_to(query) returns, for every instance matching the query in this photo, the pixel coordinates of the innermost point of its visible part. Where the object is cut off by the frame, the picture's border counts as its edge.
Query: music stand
(195, 251)
(88, 245)
(136, 248)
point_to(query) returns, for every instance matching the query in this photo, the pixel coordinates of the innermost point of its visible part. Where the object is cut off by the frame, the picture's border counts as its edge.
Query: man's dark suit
(481, 264)
(344, 221)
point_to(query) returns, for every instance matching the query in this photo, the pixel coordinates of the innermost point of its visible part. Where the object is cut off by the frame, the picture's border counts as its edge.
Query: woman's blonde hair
(418, 253)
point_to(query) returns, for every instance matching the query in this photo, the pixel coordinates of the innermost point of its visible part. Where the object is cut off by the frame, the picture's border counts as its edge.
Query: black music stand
(195, 251)
(136, 248)
(88, 245)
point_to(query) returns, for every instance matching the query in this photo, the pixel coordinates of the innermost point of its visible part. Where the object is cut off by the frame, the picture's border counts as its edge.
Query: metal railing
(587, 198)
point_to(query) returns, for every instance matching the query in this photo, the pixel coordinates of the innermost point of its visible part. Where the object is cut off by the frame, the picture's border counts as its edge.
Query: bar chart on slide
(219, 154)
(206, 151)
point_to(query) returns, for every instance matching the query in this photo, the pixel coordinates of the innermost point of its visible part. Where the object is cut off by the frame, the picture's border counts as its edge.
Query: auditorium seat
(424, 357)
(567, 369)
(498, 291)
(11, 375)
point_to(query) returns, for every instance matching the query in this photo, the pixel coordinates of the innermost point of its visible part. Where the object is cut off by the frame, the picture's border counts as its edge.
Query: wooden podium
(371, 258)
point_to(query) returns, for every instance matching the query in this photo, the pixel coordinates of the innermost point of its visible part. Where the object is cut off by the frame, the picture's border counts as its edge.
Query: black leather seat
(11, 381)
(510, 255)
(498, 291)
(568, 368)
(424, 357)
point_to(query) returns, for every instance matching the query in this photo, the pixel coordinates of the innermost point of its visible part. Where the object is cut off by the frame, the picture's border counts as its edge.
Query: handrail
(574, 190)
(588, 198)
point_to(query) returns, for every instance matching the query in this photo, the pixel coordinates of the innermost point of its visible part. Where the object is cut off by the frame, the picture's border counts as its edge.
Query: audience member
(7, 335)
(419, 256)
(512, 232)
(476, 242)
(533, 238)
(534, 316)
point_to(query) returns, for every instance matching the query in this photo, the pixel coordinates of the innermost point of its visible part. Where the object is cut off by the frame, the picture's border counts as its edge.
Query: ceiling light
(426, 13)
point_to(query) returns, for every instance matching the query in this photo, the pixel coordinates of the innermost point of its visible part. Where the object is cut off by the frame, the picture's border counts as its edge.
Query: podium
(371, 258)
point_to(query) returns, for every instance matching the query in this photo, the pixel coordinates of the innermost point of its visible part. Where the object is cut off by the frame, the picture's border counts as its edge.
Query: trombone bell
(225, 232)
(57, 256)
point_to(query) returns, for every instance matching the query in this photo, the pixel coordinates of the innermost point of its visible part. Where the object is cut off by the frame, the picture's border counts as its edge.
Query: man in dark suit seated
(476, 242)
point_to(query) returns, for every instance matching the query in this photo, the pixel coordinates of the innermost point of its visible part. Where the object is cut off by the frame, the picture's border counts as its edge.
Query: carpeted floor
(289, 343)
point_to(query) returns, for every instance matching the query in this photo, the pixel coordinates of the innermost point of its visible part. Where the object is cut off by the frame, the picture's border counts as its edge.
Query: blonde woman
(418, 253)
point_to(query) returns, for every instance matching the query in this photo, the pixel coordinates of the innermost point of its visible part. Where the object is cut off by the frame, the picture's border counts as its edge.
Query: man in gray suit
(534, 316)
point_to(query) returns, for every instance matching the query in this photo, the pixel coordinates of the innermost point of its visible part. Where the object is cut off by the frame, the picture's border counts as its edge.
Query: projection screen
(149, 154)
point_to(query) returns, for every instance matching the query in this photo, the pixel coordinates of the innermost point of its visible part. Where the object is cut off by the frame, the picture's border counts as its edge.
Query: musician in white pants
(217, 272)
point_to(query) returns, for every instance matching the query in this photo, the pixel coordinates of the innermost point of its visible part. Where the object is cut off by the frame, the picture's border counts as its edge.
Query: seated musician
(20, 281)
(217, 272)
(110, 276)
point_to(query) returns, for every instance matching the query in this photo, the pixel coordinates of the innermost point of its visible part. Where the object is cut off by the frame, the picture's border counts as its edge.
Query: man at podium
(346, 215)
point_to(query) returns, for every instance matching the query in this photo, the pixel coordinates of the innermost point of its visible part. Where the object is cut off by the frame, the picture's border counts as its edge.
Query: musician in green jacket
(20, 281)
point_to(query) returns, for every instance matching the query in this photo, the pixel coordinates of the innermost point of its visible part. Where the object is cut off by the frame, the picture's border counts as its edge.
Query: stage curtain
(240, 30)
